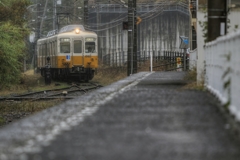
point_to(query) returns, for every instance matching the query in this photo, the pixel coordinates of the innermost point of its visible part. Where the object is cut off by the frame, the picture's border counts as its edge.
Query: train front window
(77, 46)
(90, 47)
(65, 45)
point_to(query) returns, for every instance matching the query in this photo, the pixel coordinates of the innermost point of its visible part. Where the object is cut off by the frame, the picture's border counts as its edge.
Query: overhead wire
(154, 10)
(118, 21)
(149, 16)
(112, 21)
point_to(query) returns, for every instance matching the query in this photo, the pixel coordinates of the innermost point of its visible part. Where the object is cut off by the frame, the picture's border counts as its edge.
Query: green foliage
(227, 81)
(191, 75)
(12, 47)
(226, 105)
(227, 84)
(14, 11)
(12, 44)
(236, 27)
(204, 24)
(2, 121)
(227, 72)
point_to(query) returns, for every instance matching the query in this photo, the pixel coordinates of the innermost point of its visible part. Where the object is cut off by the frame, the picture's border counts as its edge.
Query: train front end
(78, 53)
(72, 52)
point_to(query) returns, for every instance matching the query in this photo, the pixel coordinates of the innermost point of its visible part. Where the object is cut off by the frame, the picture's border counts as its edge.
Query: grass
(2, 121)
(26, 106)
(191, 78)
(107, 75)
(30, 82)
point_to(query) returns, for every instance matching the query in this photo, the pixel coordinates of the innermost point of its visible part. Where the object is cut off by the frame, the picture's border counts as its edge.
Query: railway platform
(147, 116)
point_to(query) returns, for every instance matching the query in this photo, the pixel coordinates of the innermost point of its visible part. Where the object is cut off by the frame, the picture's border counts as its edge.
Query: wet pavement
(147, 116)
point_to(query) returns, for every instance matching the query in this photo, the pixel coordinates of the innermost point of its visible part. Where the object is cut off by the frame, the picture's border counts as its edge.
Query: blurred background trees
(13, 32)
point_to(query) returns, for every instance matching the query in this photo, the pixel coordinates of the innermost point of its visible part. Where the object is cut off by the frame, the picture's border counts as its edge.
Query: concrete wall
(154, 34)
(234, 21)
(162, 32)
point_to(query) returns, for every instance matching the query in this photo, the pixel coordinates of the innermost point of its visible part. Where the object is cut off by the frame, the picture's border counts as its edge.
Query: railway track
(64, 93)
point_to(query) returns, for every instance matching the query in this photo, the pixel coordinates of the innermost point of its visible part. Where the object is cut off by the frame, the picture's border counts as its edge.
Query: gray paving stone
(143, 117)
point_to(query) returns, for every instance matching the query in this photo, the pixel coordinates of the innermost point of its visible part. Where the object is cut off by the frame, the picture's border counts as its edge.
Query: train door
(77, 54)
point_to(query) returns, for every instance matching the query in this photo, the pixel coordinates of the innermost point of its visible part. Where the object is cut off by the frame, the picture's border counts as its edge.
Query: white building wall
(234, 18)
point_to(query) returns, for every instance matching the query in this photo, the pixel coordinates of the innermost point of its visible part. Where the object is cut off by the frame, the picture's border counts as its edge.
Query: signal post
(132, 38)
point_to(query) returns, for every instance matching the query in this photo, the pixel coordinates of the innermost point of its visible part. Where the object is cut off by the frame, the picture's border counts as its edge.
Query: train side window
(65, 45)
(56, 49)
(77, 46)
(90, 47)
(40, 50)
(44, 49)
(49, 49)
(53, 47)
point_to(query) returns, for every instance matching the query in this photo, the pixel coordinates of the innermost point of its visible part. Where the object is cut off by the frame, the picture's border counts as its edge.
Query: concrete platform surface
(147, 116)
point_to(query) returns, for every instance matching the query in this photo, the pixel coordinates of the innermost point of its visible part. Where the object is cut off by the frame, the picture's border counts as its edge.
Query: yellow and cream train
(72, 52)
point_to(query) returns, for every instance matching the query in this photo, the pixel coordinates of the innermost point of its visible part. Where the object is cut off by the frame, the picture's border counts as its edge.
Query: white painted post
(151, 59)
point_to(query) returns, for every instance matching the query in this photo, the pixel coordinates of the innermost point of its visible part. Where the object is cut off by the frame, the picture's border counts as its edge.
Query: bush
(12, 47)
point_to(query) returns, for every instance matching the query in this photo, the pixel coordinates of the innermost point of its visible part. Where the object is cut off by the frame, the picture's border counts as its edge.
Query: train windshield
(77, 46)
(90, 47)
(65, 45)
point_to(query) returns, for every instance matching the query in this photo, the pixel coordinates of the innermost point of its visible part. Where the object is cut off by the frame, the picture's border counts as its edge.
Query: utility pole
(37, 22)
(217, 19)
(43, 17)
(54, 14)
(132, 38)
(37, 37)
(85, 14)
(98, 21)
(135, 37)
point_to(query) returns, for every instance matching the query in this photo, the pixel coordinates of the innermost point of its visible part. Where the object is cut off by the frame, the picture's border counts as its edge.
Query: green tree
(14, 11)
(13, 33)
(12, 49)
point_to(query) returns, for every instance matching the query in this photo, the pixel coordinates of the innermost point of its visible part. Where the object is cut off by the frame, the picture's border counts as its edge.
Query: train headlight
(77, 31)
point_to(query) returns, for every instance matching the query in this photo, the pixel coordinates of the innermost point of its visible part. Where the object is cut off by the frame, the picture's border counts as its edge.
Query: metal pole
(134, 37)
(217, 19)
(151, 62)
(132, 44)
(85, 14)
(130, 30)
(131, 61)
(36, 39)
(184, 59)
(54, 14)
(44, 14)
